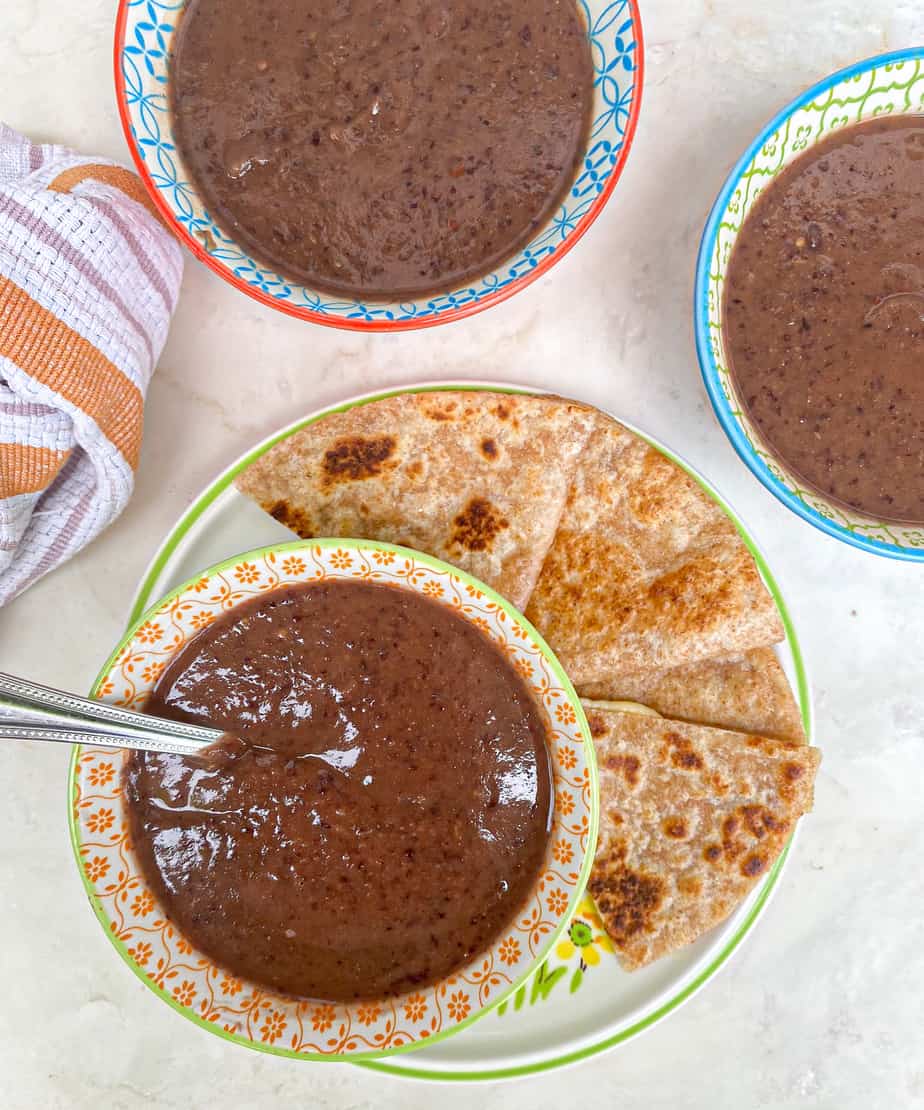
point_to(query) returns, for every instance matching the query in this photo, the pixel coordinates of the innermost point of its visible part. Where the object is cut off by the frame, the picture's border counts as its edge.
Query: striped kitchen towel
(89, 279)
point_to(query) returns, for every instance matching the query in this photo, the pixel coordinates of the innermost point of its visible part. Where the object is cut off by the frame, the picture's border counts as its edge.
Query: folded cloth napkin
(89, 278)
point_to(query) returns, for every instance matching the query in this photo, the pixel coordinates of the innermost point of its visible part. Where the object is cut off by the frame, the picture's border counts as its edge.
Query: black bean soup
(382, 816)
(382, 149)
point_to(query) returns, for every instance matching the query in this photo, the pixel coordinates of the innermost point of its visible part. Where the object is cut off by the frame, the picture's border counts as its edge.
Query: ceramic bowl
(187, 980)
(890, 83)
(144, 32)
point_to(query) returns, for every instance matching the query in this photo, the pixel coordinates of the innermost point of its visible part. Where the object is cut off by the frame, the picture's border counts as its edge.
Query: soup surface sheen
(382, 817)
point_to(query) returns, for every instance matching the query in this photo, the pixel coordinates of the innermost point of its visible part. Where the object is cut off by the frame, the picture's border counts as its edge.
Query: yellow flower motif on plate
(585, 936)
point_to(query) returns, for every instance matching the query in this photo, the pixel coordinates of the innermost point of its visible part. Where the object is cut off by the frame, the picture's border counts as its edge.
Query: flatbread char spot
(291, 516)
(356, 458)
(628, 900)
(477, 526)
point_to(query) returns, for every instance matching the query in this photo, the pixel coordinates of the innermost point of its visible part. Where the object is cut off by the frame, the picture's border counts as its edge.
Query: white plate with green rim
(580, 1003)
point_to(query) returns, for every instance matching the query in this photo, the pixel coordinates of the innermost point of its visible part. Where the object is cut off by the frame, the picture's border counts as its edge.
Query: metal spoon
(29, 711)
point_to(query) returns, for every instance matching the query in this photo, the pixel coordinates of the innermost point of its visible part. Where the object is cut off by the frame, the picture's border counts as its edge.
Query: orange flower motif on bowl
(149, 632)
(101, 821)
(415, 1007)
(153, 671)
(273, 1027)
(567, 758)
(368, 1015)
(141, 952)
(557, 901)
(96, 868)
(523, 667)
(143, 903)
(100, 774)
(459, 1006)
(564, 802)
(565, 714)
(509, 951)
(563, 851)
(185, 992)
(246, 574)
(322, 1018)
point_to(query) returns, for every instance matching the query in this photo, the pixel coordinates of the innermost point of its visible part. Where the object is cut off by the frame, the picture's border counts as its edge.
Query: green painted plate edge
(215, 489)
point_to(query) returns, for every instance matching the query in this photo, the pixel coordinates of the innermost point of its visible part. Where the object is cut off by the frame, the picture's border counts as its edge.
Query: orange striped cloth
(89, 279)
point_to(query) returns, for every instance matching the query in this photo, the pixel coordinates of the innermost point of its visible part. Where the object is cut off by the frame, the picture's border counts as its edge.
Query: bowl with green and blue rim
(887, 84)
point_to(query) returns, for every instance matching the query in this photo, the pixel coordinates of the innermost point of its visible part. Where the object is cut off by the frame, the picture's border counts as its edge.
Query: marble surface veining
(824, 1005)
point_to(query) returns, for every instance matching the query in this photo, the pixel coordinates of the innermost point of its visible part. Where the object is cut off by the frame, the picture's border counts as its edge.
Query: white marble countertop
(824, 1006)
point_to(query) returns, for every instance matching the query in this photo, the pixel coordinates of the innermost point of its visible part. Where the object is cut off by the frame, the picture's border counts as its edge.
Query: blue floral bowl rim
(707, 362)
(343, 323)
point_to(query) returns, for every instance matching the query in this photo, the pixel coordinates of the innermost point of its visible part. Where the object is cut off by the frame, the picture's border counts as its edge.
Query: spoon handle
(28, 706)
(150, 743)
(56, 706)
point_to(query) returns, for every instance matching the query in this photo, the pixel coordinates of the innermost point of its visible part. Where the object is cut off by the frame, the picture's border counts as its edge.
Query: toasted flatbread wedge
(476, 478)
(747, 693)
(646, 572)
(690, 819)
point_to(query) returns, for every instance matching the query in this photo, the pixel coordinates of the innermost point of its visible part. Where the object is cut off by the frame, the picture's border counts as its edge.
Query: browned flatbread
(646, 571)
(478, 479)
(747, 693)
(690, 817)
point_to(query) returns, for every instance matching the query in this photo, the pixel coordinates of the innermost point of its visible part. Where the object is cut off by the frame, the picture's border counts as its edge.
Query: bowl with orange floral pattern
(220, 1001)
